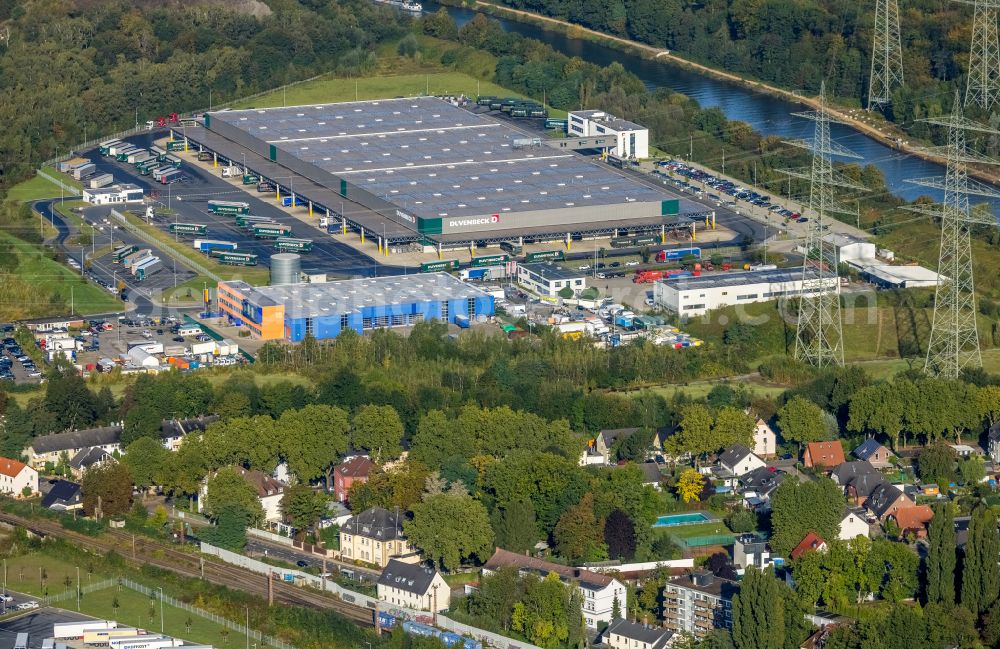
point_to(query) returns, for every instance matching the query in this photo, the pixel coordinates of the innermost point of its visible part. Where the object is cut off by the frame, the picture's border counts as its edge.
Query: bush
(742, 521)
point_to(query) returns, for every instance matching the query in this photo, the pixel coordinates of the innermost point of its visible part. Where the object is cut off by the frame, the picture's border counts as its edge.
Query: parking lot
(15, 365)
(186, 202)
(37, 623)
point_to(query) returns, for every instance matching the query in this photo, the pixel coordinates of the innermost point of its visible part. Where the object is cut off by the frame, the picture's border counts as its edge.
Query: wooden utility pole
(270, 589)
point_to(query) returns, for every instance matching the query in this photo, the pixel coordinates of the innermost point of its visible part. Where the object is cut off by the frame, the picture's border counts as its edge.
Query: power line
(887, 55)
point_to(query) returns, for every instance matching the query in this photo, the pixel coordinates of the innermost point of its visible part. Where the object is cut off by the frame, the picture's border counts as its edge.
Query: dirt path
(838, 114)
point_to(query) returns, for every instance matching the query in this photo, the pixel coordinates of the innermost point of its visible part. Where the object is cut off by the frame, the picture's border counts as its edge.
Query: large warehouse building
(694, 296)
(290, 311)
(423, 170)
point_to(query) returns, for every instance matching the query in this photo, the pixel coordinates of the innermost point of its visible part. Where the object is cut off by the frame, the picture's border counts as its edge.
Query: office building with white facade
(632, 140)
(547, 279)
(695, 296)
(114, 195)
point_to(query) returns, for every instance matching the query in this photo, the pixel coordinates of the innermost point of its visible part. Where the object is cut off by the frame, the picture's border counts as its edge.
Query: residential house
(375, 536)
(413, 585)
(812, 542)
(874, 453)
(853, 524)
(885, 500)
(651, 475)
(49, 448)
(749, 551)
(913, 520)
(698, 603)
(758, 486)
(966, 450)
(269, 491)
(765, 442)
(62, 496)
(993, 442)
(16, 477)
(599, 591)
(599, 449)
(740, 460)
(353, 470)
(87, 459)
(858, 479)
(823, 455)
(622, 634)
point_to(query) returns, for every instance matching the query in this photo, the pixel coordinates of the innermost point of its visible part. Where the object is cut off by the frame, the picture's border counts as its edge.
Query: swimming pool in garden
(672, 520)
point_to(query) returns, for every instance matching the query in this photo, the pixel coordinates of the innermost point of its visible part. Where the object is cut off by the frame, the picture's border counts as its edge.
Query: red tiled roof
(913, 518)
(356, 467)
(810, 543)
(10, 467)
(828, 454)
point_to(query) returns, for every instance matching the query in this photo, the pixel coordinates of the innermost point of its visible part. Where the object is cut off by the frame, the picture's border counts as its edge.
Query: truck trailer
(147, 268)
(100, 637)
(100, 180)
(83, 170)
(139, 156)
(76, 630)
(205, 245)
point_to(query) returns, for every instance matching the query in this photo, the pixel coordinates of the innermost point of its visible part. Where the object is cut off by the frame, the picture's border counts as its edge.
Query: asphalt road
(37, 624)
(256, 547)
(189, 199)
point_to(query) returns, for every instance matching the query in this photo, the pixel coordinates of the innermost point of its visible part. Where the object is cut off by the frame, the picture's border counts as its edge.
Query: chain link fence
(71, 594)
(241, 629)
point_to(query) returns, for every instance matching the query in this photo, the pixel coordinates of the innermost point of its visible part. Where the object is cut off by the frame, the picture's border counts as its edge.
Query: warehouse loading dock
(434, 174)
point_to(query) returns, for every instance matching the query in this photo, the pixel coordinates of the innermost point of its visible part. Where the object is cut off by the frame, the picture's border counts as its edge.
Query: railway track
(144, 551)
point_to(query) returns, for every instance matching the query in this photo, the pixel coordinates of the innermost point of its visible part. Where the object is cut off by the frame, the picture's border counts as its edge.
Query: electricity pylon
(819, 338)
(954, 343)
(983, 87)
(887, 55)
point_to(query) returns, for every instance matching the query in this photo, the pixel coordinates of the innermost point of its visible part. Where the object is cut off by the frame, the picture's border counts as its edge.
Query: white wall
(27, 477)
(698, 301)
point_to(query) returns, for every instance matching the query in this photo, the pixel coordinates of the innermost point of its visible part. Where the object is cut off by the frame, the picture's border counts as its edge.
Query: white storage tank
(286, 268)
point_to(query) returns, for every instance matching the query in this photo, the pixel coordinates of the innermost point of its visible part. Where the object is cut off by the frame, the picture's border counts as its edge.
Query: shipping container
(228, 207)
(286, 201)
(205, 245)
(100, 180)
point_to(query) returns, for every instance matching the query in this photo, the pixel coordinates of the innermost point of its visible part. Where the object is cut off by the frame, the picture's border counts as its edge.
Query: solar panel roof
(434, 159)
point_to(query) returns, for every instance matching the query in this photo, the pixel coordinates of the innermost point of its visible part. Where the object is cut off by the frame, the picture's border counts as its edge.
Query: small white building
(622, 634)
(739, 460)
(853, 524)
(15, 476)
(851, 248)
(143, 359)
(547, 279)
(749, 551)
(113, 195)
(888, 276)
(632, 140)
(414, 586)
(695, 296)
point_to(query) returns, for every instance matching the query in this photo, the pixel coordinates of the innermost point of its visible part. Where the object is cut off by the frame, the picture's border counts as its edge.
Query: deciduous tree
(106, 490)
(146, 459)
(801, 421)
(578, 534)
(378, 430)
(798, 508)
(229, 487)
(303, 506)
(515, 526)
(689, 485)
(619, 535)
(313, 439)
(450, 528)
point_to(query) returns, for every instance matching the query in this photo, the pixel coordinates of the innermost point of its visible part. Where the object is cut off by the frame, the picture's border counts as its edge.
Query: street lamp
(161, 607)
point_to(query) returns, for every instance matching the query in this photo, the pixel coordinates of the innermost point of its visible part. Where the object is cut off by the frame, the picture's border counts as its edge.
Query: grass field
(380, 87)
(24, 574)
(33, 189)
(251, 275)
(43, 286)
(699, 529)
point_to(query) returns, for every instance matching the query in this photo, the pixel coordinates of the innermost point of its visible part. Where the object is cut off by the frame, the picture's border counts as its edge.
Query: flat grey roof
(434, 159)
(739, 279)
(345, 296)
(550, 271)
(601, 117)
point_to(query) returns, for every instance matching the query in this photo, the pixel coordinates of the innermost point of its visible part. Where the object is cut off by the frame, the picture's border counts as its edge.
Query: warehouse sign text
(486, 220)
